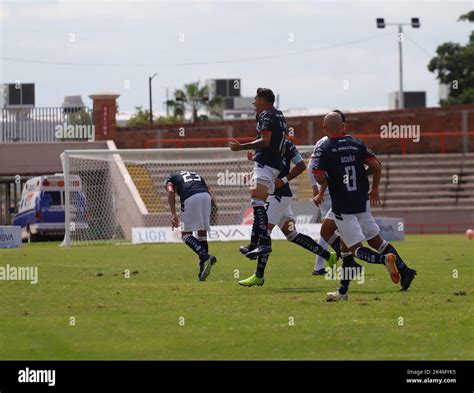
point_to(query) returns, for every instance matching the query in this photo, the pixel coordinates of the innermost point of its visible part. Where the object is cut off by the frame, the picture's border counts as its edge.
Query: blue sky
(309, 48)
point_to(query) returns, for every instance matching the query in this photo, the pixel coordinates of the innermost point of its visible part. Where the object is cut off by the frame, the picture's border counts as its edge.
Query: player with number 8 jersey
(338, 163)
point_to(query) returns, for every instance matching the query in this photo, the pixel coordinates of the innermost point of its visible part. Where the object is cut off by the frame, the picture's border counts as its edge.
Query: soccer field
(162, 312)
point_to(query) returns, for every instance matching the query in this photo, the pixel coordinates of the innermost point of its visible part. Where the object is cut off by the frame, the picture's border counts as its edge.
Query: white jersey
(310, 167)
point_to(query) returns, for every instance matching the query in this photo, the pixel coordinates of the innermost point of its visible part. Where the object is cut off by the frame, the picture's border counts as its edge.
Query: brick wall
(307, 129)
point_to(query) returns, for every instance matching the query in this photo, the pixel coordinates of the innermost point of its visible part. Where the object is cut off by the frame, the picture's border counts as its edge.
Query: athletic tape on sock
(257, 202)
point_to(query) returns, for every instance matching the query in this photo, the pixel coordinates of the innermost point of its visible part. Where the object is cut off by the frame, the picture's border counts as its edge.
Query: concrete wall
(38, 158)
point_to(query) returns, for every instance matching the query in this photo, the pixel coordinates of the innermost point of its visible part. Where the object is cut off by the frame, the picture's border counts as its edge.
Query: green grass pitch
(163, 312)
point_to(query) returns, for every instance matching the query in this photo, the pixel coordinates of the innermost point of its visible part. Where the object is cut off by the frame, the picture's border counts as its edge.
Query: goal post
(108, 193)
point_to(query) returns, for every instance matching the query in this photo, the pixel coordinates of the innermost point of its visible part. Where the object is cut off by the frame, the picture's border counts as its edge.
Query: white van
(40, 212)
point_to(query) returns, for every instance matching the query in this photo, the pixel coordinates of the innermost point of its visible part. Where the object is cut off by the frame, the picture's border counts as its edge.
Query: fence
(39, 124)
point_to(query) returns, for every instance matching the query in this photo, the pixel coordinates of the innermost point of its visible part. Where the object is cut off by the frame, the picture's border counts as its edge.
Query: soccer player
(280, 213)
(268, 146)
(339, 165)
(328, 234)
(196, 201)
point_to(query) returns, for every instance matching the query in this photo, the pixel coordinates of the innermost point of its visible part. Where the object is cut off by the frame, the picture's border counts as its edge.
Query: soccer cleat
(206, 269)
(392, 267)
(335, 296)
(260, 250)
(407, 276)
(245, 249)
(320, 272)
(251, 281)
(332, 259)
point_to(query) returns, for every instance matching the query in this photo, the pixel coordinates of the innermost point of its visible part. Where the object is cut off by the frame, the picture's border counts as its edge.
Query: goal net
(108, 193)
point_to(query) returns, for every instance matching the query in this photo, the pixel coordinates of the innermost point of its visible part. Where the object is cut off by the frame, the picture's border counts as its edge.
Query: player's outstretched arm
(297, 170)
(260, 143)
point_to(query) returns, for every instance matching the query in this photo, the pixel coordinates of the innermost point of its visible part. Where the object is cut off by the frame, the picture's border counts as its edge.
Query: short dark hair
(342, 115)
(266, 94)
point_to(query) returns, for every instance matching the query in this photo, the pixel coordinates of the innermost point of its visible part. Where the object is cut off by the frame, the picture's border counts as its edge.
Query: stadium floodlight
(150, 78)
(179, 95)
(415, 23)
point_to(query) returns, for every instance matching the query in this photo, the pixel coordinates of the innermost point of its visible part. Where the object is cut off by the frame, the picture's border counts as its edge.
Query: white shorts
(355, 228)
(197, 213)
(265, 175)
(279, 210)
(325, 207)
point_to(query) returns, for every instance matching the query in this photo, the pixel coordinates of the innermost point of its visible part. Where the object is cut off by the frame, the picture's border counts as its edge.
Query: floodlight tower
(415, 23)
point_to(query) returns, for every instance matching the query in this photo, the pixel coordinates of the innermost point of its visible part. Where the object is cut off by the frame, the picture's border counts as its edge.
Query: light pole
(150, 78)
(415, 23)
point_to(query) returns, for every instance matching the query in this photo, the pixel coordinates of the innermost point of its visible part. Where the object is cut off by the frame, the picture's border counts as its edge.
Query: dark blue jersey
(186, 184)
(342, 158)
(271, 121)
(291, 155)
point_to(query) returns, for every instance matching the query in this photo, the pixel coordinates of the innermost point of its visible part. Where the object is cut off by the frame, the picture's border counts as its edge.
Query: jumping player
(280, 213)
(268, 146)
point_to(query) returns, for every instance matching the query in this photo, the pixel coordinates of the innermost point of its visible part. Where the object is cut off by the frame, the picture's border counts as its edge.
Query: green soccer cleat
(251, 281)
(332, 261)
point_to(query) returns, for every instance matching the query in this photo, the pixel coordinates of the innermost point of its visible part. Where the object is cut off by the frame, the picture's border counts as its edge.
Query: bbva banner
(10, 237)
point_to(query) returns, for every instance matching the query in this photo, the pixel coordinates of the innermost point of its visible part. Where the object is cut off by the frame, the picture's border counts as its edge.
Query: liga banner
(218, 233)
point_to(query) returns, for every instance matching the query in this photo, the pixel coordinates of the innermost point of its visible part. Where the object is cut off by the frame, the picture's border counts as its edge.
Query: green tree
(454, 66)
(142, 118)
(193, 98)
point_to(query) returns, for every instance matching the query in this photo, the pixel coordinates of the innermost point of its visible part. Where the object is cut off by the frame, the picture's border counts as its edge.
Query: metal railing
(29, 125)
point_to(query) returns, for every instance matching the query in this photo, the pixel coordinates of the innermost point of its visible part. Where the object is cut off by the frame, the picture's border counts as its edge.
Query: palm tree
(193, 98)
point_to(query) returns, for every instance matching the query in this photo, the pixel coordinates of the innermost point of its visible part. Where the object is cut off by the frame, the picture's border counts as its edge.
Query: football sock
(347, 262)
(308, 243)
(203, 240)
(261, 265)
(319, 263)
(196, 246)
(253, 234)
(386, 248)
(370, 256)
(335, 243)
(260, 217)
